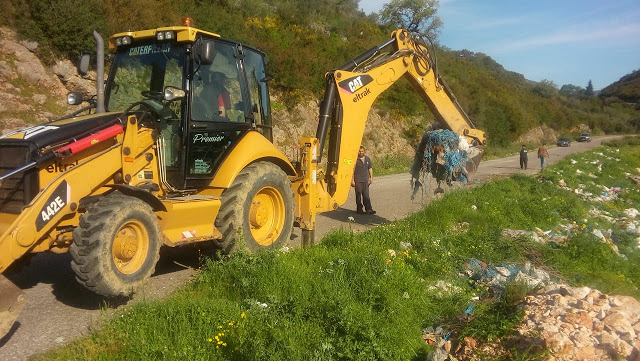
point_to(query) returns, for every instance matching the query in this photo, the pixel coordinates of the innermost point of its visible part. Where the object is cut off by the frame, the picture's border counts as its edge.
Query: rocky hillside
(31, 93)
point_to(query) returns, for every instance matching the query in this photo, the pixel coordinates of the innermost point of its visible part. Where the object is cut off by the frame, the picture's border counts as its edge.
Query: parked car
(564, 142)
(584, 137)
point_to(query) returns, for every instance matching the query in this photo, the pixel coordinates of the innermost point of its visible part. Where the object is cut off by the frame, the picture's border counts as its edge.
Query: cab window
(217, 95)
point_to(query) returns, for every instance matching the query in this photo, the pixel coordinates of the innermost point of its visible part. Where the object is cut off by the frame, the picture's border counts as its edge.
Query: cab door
(218, 113)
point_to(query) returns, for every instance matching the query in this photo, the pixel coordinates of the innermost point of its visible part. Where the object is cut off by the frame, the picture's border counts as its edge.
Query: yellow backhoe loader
(177, 149)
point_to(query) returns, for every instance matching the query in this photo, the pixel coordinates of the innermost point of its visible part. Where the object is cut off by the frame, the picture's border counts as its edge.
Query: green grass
(350, 299)
(392, 164)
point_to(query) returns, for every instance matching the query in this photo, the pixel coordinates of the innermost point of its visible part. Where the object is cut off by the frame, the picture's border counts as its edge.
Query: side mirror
(173, 93)
(205, 52)
(83, 65)
(74, 98)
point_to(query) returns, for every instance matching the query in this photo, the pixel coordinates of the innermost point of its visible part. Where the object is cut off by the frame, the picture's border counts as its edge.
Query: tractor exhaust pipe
(99, 72)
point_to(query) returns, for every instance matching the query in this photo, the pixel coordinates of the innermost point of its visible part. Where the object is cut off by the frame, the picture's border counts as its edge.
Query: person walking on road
(524, 157)
(543, 154)
(361, 179)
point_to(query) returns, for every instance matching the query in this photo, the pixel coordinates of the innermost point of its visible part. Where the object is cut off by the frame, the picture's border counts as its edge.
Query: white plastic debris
(631, 212)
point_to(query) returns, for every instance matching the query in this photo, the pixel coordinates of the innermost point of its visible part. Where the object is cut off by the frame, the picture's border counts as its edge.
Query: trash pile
(443, 154)
(575, 323)
(489, 281)
(487, 277)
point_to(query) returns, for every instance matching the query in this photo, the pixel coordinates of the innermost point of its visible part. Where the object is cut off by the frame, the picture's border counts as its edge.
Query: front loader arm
(60, 198)
(56, 201)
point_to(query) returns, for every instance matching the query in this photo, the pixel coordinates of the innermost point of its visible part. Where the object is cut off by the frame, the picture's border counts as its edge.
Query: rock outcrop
(579, 323)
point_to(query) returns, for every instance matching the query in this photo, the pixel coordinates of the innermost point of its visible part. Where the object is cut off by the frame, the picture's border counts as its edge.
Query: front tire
(116, 246)
(258, 207)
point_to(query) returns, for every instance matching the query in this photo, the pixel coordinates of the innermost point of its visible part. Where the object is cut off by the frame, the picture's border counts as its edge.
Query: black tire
(258, 189)
(116, 246)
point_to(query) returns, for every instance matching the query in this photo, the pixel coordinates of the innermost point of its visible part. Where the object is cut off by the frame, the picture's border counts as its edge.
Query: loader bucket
(12, 301)
(474, 162)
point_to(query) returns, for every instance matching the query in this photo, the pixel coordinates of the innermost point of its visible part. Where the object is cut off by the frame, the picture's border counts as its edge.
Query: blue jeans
(542, 159)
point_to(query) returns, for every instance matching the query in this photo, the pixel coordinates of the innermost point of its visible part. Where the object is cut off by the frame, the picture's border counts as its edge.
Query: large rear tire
(116, 246)
(258, 207)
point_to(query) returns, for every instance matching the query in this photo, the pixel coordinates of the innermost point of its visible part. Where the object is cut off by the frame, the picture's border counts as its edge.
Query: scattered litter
(444, 288)
(495, 278)
(631, 212)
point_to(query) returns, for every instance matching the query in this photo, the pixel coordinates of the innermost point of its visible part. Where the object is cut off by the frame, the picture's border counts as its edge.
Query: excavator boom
(350, 91)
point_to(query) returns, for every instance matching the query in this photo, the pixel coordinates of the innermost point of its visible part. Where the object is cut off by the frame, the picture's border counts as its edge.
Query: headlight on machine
(123, 40)
(165, 35)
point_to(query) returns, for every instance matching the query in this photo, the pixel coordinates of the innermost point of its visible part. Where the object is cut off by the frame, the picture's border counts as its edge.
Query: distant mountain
(626, 89)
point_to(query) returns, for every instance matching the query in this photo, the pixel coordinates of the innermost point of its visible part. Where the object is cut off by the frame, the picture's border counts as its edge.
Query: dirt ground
(59, 310)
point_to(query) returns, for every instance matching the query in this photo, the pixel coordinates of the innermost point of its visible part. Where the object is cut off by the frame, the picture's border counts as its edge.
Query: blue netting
(455, 159)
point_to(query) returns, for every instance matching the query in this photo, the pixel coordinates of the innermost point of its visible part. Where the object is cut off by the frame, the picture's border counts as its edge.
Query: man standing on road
(361, 179)
(543, 154)
(524, 157)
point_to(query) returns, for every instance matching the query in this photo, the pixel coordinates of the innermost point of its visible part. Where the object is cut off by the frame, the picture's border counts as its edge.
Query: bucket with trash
(446, 156)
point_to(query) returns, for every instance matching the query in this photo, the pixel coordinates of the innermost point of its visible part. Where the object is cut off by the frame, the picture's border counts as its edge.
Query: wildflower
(243, 315)
(210, 339)
(388, 261)
(391, 252)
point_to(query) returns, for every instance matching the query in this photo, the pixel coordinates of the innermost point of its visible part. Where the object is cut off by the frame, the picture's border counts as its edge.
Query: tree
(589, 91)
(417, 16)
(571, 90)
(545, 88)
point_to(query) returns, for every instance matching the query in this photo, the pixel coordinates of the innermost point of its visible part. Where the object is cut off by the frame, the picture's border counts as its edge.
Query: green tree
(414, 15)
(571, 90)
(545, 88)
(589, 90)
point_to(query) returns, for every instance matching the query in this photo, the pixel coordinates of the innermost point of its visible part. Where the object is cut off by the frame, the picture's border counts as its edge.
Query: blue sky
(566, 41)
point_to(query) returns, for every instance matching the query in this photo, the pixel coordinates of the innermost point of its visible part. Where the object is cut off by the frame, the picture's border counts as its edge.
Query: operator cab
(225, 96)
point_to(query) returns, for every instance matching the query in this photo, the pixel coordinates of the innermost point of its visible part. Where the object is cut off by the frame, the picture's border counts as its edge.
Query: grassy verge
(369, 296)
(392, 164)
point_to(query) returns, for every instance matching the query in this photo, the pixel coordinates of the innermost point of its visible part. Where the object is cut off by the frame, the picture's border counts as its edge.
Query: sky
(565, 41)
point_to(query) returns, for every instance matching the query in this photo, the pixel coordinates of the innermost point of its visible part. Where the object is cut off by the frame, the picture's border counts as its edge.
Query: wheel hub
(266, 216)
(130, 246)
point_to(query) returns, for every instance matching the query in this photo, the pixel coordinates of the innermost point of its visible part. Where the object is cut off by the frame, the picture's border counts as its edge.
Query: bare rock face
(583, 324)
(68, 74)
(381, 134)
(27, 65)
(29, 90)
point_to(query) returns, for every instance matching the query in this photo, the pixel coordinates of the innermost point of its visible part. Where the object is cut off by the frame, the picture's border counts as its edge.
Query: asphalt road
(59, 310)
